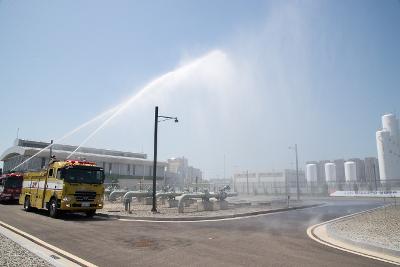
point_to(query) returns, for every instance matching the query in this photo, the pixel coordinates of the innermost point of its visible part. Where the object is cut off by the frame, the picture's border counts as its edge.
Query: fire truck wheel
(90, 213)
(27, 204)
(53, 212)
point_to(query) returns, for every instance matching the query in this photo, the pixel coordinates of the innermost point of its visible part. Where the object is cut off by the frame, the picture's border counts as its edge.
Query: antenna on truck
(51, 149)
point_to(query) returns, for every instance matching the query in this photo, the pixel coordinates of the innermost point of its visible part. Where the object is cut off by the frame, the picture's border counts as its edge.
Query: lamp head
(176, 120)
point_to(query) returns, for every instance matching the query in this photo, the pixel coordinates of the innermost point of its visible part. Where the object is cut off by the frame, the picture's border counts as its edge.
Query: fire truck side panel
(53, 189)
(30, 187)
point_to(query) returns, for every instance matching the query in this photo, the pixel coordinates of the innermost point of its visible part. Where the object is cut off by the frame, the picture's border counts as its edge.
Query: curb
(70, 257)
(201, 218)
(320, 234)
(388, 251)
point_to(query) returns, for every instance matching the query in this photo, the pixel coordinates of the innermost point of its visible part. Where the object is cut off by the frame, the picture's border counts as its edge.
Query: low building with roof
(132, 170)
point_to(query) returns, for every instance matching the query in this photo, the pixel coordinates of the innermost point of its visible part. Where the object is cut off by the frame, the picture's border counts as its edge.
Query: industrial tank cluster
(350, 171)
(386, 168)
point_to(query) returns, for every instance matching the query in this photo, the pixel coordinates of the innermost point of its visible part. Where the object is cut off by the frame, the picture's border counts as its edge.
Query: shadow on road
(9, 203)
(69, 216)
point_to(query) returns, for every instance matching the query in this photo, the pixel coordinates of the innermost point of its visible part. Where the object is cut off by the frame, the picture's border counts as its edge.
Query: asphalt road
(271, 240)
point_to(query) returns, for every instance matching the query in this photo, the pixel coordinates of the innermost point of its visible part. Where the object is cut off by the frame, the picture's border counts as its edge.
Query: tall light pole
(224, 167)
(156, 116)
(297, 171)
(247, 181)
(142, 182)
(376, 185)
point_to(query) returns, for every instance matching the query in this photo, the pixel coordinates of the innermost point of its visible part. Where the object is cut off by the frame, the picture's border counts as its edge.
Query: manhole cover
(144, 243)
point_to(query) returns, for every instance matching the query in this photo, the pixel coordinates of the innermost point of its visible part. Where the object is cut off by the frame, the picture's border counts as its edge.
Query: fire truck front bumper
(76, 206)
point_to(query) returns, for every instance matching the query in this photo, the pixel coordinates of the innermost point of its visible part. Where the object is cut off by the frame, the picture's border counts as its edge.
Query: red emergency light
(81, 162)
(13, 174)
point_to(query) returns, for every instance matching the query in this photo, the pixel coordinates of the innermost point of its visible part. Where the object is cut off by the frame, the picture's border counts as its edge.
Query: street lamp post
(156, 116)
(297, 171)
(247, 181)
(376, 185)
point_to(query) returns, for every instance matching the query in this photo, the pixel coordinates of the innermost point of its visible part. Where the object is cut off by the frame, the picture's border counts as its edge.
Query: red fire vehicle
(10, 187)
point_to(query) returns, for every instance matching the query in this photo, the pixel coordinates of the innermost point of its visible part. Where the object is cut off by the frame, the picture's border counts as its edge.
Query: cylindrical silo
(330, 172)
(382, 138)
(350, 171)
(311, 170)
(391, 124)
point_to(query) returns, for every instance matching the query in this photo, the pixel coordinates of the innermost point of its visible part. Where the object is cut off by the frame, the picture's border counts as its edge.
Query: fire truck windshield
(13, 183)
(82, 175)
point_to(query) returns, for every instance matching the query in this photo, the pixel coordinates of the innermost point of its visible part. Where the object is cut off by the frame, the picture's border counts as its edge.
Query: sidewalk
(13, 254)
(378, 230)
(173, 215)
(18, 248)
(372, 234)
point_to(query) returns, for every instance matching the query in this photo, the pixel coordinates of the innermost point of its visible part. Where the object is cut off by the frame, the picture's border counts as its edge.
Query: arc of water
(119, 110)
(67, 135)
(152, 84)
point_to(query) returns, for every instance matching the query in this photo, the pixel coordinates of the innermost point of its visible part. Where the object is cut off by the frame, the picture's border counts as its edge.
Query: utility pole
(164, 175)
(156, 116)
(154, 208)
(297, 173)
(376, 185)
(224, 167)
(144, 172)
(247, 181)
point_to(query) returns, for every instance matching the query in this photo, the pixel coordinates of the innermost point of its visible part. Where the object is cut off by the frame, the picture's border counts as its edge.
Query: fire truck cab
(10, 187)
(65, 186)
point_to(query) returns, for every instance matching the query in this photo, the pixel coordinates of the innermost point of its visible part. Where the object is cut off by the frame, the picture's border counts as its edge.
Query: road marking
(218, 220)
(42, 249)
(322, 237)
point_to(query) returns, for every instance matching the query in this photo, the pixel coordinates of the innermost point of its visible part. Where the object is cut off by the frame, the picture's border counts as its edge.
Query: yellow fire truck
(71, 185)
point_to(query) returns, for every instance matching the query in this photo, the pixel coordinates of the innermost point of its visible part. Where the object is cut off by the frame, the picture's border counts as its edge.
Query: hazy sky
(250, 77)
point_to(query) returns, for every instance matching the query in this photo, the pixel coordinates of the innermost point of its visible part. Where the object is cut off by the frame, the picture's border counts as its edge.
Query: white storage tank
(388, 146)
(391, 124)
(350, 171)
(311, 170)
(330, 172)
(384, 157)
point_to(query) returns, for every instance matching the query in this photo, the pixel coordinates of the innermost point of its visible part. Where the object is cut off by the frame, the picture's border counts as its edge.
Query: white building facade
(128, 168)
(275, 182)
(181, 174)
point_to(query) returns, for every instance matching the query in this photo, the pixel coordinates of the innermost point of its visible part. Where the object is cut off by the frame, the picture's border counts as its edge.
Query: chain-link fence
(142, 205)
(317, 188)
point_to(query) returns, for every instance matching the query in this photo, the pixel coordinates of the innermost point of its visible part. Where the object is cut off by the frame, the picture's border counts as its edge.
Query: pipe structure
(168, 194)
(116, 193)
(184, 197)
(220, 196)
(232, 194)
(131, 194)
